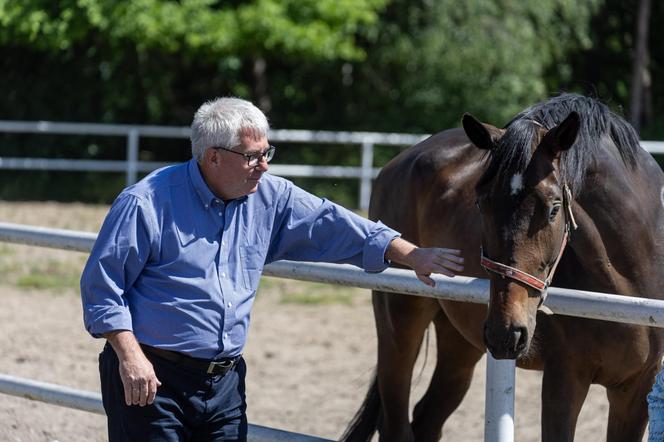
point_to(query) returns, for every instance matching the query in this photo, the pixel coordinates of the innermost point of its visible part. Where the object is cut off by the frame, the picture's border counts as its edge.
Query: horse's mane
(513, 150)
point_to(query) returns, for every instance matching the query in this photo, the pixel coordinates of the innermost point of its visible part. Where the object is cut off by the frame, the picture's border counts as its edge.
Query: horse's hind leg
(449, 383)
(628, 407)
(400, 323)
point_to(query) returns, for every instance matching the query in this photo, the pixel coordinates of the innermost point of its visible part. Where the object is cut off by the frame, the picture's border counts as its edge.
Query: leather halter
(526, 278)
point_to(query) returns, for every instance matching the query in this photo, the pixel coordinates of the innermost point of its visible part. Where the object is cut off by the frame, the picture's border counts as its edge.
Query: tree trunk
(640, 73)
(260, 85)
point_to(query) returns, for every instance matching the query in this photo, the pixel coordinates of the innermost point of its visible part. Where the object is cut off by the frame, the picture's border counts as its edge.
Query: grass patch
(308, 293)
(317, 298)
(50, 275)
(47, 282)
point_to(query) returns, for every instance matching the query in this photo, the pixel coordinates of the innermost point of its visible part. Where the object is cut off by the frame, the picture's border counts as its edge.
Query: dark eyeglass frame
(256, 158)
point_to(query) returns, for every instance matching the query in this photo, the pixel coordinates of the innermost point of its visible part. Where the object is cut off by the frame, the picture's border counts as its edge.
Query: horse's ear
(478, 133)
(563, 136)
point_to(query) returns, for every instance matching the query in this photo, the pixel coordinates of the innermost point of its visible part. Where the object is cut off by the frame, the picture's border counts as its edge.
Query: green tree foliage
(604, 68)
(147, 52)
(377, 65)
(148, 61)
(489, 57)
(317, 29)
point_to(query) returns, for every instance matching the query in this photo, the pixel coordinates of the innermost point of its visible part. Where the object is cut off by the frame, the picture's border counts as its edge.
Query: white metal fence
(366, 172)
(500, 388)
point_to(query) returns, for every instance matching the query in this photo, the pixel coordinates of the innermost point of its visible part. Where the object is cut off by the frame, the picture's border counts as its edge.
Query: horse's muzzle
(509, 343)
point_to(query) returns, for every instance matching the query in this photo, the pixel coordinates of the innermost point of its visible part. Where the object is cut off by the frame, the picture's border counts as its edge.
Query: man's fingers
(144, 392)
(456, 252)
(443, 263)
(454, 258)
(426, 279)
(454, 266)
(135, 394)
(152, 390)
(127, 393)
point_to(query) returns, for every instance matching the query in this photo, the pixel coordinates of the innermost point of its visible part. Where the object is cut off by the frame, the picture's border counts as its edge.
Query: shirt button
(223, 243)
(220, 214)
(223, 275)
(225, 335)
(230, 305)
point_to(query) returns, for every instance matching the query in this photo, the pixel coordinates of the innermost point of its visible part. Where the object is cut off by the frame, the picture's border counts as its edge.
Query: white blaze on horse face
(516, 184)
(661, 195)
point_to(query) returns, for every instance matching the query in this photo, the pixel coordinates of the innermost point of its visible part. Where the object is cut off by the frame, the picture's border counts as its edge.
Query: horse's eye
(554, 211)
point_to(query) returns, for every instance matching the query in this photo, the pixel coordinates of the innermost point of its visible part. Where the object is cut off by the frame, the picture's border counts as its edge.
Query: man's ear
(211, 156)
(563, 136)
(481, 135)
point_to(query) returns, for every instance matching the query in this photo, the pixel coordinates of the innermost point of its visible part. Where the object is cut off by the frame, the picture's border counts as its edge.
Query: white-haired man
(173, 274)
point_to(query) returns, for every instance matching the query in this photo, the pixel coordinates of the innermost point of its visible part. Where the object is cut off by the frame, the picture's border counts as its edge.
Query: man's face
(228, 174)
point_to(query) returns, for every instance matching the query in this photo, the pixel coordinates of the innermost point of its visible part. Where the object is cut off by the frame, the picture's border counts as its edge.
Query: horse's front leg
(563, 394)
(628, 407)
(450, 381)
(400, 322)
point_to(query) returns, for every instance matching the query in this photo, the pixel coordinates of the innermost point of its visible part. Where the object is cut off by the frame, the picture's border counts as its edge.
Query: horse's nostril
(520, 338)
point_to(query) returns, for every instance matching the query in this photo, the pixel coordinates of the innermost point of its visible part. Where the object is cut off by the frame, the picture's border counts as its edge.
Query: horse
(562, 195)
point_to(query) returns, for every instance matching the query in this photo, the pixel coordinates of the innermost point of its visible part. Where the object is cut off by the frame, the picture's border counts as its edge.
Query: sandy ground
(308, 364)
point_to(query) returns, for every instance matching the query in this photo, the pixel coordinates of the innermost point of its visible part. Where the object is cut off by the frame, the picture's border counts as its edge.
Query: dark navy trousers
(190, 406)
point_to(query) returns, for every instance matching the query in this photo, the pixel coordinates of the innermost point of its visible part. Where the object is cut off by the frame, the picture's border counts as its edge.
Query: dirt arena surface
(309, 362)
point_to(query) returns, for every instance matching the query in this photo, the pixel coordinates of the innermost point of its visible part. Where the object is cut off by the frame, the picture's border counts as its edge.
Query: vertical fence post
(367, 174)
(499, 400)
(132, 156)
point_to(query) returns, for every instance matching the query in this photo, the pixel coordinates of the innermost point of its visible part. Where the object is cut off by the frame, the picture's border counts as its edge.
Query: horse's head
(525, 215)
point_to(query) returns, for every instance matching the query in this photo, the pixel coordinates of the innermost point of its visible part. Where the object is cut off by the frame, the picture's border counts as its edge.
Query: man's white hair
(220, 122)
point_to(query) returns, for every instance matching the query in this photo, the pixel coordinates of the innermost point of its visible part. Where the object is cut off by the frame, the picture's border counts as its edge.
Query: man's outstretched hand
(425, 260)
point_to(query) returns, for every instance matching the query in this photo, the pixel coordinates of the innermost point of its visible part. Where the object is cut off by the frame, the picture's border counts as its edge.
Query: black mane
(513, 151)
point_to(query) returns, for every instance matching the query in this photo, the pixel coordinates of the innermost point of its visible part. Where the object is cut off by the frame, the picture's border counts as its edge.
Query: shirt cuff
(109, 320)
(375, 246)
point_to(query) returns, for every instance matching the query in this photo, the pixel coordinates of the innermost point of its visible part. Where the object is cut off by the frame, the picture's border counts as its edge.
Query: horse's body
(429, 193)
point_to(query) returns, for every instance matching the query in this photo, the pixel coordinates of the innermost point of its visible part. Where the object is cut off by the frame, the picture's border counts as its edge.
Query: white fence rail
(91, 402)
(132, 166)
(366, 172)
(499, 401)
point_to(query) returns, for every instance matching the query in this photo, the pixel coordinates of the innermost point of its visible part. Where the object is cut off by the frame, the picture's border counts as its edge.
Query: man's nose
(262, 164)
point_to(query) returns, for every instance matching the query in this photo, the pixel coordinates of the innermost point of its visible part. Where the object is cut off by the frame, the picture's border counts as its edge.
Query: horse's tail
(365, 421)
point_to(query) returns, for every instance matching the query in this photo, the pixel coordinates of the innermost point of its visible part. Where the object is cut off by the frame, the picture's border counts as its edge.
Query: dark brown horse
(504, 191)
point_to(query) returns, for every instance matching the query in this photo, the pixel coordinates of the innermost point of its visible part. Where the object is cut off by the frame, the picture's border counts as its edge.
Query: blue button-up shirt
(180, 268)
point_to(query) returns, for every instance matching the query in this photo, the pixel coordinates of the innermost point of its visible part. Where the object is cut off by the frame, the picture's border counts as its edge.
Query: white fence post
(499, 400)
(132, 156)
(367, 174)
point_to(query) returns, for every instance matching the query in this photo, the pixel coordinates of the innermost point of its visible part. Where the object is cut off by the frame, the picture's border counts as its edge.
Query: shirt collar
(200, 186)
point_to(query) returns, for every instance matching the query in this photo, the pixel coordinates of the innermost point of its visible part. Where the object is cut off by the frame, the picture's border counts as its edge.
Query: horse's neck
(620, 237)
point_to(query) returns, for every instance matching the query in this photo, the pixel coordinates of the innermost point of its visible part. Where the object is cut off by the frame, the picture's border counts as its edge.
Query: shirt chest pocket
(252, 261)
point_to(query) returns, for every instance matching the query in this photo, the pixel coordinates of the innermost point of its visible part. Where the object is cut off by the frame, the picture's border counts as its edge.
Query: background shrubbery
(377, 65)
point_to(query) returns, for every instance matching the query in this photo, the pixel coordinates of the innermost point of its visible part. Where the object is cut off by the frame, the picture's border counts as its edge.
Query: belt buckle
(223, 364)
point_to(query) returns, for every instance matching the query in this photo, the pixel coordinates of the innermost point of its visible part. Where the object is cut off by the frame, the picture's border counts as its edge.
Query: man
(656, 409)
(172, 277)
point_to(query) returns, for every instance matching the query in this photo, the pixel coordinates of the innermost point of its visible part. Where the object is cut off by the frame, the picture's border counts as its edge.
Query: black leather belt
(211, 367)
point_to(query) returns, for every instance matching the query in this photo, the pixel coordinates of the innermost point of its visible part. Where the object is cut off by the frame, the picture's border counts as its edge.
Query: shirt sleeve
(309, 228)
(117, 258)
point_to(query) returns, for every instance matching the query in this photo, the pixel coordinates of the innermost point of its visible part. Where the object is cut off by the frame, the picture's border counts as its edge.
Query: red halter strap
(519, 275)
(526, 278)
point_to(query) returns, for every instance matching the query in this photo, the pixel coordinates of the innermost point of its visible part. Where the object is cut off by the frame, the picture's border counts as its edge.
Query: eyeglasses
(253, 158)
